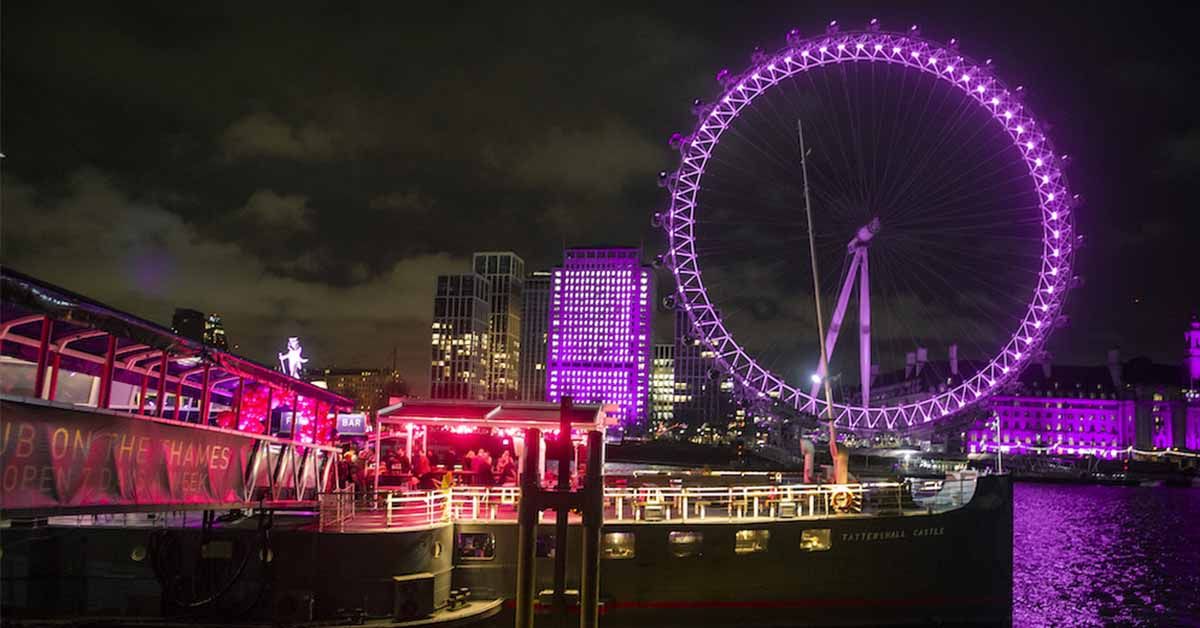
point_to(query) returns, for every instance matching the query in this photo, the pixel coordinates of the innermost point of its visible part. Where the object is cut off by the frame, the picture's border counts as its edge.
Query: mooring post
(527, 520)
(562, 453)
(593, 522)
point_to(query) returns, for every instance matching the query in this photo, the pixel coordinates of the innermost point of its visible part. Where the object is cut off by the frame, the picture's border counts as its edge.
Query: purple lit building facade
(1103, 411)
(601, 301)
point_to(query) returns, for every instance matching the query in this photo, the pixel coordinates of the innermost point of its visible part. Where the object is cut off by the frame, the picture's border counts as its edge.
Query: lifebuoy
(841, 500)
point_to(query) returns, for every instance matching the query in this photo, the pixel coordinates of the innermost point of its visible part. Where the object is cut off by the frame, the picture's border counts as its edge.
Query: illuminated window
(817, 540)
(476, 545)
(686, 543)
(751, 541)
(617, 545)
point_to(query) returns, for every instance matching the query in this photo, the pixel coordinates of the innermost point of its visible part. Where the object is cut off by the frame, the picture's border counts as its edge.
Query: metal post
(106, 373)
(563, 454)
(593, 523)
(204, 395)
(378, 444)
(864, 329)
(237, 412)
(812, 250)
(53, 388)
(142, 393)
(527, 519)
(161, 402)
(43, 355)
(179, 397)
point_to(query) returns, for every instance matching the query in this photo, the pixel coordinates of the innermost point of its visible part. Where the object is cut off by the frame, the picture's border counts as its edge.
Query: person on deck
(506, 469)
(481, 468)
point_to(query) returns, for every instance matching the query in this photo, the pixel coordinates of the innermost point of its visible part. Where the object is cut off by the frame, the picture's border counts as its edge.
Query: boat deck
(347, 512)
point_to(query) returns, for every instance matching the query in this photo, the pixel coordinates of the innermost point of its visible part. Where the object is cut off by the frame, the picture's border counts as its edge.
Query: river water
(1106, 555)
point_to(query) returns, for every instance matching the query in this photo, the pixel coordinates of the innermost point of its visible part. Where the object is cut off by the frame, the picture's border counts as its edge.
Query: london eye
(942, 225)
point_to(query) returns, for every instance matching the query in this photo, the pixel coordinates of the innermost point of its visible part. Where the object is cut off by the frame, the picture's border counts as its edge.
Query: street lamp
(999, 460)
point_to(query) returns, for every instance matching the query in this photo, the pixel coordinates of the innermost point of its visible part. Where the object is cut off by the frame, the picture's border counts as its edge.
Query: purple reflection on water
(1101, 555)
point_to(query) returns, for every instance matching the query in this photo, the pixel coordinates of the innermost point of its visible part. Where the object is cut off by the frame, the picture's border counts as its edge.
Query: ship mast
(812, 250)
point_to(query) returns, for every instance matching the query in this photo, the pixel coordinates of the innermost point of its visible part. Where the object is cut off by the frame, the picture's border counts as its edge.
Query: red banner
(60, 458)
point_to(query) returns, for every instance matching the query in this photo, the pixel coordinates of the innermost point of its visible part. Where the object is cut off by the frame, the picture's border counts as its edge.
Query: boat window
(545, 546)
(617, 545)
(817, 540)
(686, 543)
(476, 545)
(751, 541)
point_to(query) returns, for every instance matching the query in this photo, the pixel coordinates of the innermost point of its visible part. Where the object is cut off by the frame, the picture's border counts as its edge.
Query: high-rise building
(371, 389)
(201, 327)
(505, 272)
(697, 386)
(600, 330)
(461, 323)
(662, 389)
(535, 320)
(214, 332)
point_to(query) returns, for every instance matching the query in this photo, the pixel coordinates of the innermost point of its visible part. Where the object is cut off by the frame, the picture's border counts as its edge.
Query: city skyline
(282, 247)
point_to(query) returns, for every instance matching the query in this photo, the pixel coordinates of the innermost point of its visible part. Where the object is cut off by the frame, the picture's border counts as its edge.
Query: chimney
(910, 363)
(1114, 366)
(953, 359)
(874, 373)
(1045, 362)
(922, 358)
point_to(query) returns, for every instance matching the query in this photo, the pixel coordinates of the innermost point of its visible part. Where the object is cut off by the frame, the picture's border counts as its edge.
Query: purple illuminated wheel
(925, 169)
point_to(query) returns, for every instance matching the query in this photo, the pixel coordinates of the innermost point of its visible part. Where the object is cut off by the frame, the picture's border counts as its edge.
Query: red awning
(500, 414)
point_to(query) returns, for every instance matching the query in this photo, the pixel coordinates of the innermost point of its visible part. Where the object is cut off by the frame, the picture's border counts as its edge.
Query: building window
(617, 545)
(817, 540)
(686, 543)
(476, 545)
(751, 541)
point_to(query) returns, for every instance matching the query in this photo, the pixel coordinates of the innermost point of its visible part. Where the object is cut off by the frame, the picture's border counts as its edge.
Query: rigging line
(914, 132)
(825, 112)
(877, 117)
(929, 333)
(887, 164)
(1007, 162)
(719, 192)
(712, 173)
(949, 132)
(843, 111)
(857, 136)
(936, 196)
(747, 137)
(892, 307)
(837, 112)
(946, 183)
(952, 289)
(1013, 268)
(943, 205)
(933, 250)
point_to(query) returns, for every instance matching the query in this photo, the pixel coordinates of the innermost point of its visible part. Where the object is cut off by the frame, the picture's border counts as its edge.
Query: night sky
(307, 169)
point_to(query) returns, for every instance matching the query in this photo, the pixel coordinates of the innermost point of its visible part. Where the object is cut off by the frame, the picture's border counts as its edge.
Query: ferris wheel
(939, 206)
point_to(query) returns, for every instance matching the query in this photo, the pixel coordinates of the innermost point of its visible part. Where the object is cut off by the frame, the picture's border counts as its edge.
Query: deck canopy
(455, 413)
(61, 346)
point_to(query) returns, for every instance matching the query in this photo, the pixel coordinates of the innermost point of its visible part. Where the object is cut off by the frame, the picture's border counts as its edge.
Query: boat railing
(345, 510)
(954, 491)
(335, 509)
